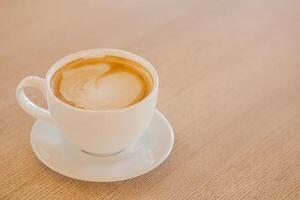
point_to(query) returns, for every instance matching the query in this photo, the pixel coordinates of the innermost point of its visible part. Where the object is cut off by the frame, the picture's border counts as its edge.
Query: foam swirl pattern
(102, 83)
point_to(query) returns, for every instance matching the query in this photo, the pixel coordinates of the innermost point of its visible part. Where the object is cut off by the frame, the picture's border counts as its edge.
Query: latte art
(103, 83)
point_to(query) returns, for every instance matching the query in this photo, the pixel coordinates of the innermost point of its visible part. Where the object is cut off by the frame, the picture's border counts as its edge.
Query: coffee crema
(102, 83)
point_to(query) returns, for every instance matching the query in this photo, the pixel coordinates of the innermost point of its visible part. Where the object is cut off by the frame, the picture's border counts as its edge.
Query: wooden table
(230, 86)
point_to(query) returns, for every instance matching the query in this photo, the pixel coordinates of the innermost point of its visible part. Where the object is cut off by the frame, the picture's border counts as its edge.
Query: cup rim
(89, 53)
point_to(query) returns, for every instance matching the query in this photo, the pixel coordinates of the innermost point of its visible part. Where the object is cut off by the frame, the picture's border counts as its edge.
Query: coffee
(103, 83)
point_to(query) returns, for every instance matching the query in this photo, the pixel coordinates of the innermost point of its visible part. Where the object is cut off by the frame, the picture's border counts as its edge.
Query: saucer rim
(62, 172)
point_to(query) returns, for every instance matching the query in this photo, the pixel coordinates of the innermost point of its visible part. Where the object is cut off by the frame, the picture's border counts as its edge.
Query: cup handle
(30, 107)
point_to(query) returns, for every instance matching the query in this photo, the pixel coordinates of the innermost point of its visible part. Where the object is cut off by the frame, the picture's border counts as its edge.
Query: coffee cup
(99, 132)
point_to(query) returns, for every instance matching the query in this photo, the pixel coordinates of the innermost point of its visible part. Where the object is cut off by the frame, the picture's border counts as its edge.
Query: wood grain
(230, 86)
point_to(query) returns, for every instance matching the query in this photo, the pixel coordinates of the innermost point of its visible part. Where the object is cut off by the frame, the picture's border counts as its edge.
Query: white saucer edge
(66, 174)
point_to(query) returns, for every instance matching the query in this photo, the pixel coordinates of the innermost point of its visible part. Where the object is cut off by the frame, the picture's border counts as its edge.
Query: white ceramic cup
(98, 132)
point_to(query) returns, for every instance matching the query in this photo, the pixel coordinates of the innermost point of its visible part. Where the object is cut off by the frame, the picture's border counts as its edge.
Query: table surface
(230, 86)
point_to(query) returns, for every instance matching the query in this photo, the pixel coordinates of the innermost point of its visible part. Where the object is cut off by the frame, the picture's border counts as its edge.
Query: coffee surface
(103, 83)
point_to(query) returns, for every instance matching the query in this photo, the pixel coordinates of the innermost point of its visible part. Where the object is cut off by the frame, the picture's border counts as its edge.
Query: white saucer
(55, 152)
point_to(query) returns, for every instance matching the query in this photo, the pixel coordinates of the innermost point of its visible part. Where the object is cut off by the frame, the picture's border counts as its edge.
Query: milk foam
(103, 84)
